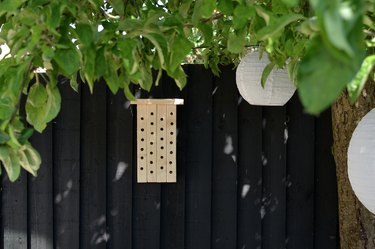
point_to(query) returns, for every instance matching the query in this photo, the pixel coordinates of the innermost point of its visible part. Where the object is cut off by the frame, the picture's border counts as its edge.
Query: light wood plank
(161, 143)
(171, 143)
(142, 118)
(151, 143)
(158, 102)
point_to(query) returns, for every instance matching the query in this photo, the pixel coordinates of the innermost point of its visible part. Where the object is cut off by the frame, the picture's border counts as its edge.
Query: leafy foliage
(125, 41)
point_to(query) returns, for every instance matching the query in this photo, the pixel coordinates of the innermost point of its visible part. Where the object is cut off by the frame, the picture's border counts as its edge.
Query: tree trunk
(357, 224)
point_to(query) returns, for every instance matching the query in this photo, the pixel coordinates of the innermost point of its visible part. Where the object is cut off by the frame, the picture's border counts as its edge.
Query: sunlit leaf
(356, 85)
(277, 25)
(10, 162)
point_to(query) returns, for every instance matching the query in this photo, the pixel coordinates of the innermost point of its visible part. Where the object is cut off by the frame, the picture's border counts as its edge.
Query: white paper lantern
(278, 88)
(361, 161)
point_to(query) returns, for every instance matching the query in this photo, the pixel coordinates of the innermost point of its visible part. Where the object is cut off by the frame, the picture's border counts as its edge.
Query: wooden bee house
(156, 139)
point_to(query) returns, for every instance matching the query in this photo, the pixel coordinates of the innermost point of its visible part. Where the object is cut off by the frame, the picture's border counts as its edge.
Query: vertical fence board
(93, 168)
(249, 176)
(146, 206)
(173, 194)
(300, 180)
(326, 205)
(198, 158)
(41, 195)
(66, 162)
(120, 161)
(14, 212)
(274, 179)
(224, 172)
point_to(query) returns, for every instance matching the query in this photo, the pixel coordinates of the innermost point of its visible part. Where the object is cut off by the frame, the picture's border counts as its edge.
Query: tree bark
(357, 224)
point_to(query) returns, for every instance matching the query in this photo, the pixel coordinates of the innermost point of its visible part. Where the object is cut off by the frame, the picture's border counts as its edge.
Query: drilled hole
(162, 147)
(152, 133)
(161, 138)
(142, 129)
(152, 123)
(170, 172)
(151, 153)
(172, 123)
(142, 149)
(171, 133)
(151, 143)
(161, 157)
(151, 162)
(171, 152)
(171, 113)
(170, 162)
(161, 119)
(161, 128)
(141, 168)
(142, 139)
(142, 118)
(161, 167)
(152, 114)
(151, 172)
(142, 157)
(171, 142)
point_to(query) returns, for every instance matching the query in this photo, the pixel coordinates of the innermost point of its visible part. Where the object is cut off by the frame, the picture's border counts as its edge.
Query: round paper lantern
(361, 161)
(277, 90)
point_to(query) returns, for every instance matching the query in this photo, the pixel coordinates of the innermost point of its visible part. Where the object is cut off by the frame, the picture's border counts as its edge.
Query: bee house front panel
(156, 139)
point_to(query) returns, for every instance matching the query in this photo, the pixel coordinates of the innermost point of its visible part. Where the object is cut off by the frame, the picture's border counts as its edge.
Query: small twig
(214, 17)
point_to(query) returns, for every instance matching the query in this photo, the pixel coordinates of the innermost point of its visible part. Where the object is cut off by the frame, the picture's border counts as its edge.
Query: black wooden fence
(248, 177)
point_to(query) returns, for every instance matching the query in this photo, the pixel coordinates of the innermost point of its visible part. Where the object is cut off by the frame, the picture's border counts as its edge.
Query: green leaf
(100, 63)
(4, 137)
(242, 13)
(85, 33)
(89, 65)
(118, 6)
(207, 32)
(128, 49)
(13, 142)
(35, 106)
(335, 31)
(29, 159)
(266, 72)
(356, 85)
(236, 41)
(112, 81)
(179, 76)
(67, 60)
(203, 9)
(73, 82)
(321, 77)
(37, 95)
(276, 25)
(180, 48)
(53, 103)
(25, 135)
(54, 15)
(6, 107)
(10, 5)
(160, 43)
(279, 8)
(128, 94)
(291, 3)
(10, 162)
(226, 7)
(39, 115)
